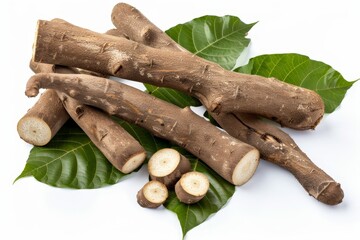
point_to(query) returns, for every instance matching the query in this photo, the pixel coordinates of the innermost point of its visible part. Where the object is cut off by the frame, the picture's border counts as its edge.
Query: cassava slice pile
(139, 51)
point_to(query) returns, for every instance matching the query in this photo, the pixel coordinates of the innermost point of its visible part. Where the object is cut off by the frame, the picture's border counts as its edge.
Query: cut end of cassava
(195, 183)
(332, 194)
(246, 167)
(134, 162)
(167, 165)
(192, 187)
(152, 195)
(34, 130)
(163, 162)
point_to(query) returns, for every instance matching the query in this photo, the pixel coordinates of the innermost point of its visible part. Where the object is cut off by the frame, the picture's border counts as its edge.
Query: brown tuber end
(152, 195)
(192, 187)
(332, 194)
(167, 166)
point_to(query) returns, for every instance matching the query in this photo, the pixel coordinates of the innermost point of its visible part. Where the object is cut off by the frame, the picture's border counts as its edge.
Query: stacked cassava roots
(72, 64)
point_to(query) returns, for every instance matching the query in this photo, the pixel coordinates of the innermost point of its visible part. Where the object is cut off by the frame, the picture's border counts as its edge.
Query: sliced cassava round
(152, 195)
(167, 165)
(192, 187)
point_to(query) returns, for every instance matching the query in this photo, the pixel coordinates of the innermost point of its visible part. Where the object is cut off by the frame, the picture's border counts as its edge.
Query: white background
(271, 206)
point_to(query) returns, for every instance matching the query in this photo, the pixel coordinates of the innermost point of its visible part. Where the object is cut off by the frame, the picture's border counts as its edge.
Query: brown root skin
(232, 159)
(118, 146)
(279, 148)
(167, 166)
(152, 195)
(192, 187)
(218, 89)
(274, 145)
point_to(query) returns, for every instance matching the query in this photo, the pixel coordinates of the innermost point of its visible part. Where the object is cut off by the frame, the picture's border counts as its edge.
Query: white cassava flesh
(34, 130)
(152, 195)
(163, 162)
(134, 162)
(246, 168)
(192, 187)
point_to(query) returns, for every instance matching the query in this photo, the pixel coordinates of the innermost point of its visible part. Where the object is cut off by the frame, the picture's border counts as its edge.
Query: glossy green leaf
(302, 71)
(71, 160)
(217, 39)
(218, 195)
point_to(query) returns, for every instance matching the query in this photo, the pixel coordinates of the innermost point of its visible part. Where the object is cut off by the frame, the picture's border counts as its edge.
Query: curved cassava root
(232, 159)
(152, 195)
(192, 187)
(274, 145)
(167, 166)
(58, 42)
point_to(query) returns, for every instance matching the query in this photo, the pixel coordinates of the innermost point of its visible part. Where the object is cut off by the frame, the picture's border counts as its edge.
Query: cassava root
(152, 195)
(167, 166)
(192, 187)
(274, 145)
(58, 42)
(232, 159)
(118, 146)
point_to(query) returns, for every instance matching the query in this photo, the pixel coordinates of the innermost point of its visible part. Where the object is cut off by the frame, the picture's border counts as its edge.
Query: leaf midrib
(55, 159)
(217, 40)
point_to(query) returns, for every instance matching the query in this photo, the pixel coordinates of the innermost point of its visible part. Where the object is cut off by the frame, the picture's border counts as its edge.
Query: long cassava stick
(118, 146)
(58, 42)
(232, 159)
(274, 145)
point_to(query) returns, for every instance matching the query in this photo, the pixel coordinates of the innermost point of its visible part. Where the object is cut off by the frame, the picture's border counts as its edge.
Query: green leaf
(71, 160)
(172, 96)
(217, 39)
(218, 195)
(302, 71)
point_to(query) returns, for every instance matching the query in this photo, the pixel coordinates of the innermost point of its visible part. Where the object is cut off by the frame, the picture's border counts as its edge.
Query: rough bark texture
(232, 159)
(118, 146)
(192, 187)
(218, 89)
(152, 195)
(274, 145)
(167, 166)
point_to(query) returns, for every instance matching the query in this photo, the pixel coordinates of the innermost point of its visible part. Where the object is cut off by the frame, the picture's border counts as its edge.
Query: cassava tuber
(232, 159)
(152, 195)
(167, 165)
(192, 187)
(219, 90)
(274, 145)
(117, 145)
